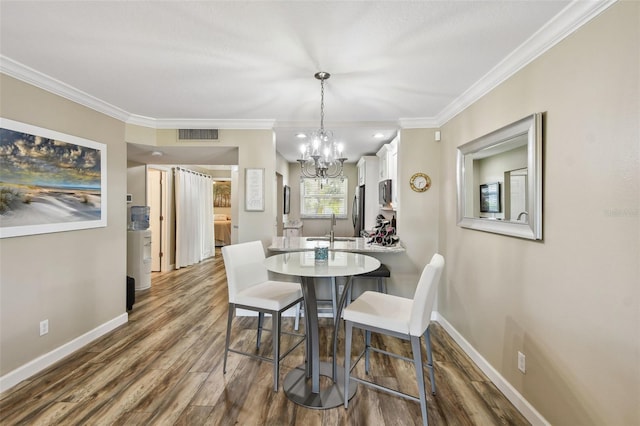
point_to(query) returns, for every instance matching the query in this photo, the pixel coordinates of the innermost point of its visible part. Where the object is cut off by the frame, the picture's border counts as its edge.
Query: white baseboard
(14, 377)
(521, 404)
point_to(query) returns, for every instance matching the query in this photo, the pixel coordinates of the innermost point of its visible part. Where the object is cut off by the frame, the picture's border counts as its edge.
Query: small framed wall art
(254, 190)
(490, 198)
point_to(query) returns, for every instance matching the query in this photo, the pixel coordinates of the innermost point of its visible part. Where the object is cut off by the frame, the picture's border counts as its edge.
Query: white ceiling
(250, 64)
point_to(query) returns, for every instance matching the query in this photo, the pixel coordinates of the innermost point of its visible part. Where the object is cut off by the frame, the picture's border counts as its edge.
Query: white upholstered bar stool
(400, 317)
(250, 288)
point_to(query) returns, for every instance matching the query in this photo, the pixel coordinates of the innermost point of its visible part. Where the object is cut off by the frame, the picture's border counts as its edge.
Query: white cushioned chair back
(425, 295)
(244, 264)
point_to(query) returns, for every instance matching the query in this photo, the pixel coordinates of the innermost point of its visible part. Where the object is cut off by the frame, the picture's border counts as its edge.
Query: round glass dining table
(302, 385)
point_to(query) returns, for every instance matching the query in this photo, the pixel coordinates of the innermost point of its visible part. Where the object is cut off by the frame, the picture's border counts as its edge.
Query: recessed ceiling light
(378, 136)
(157, 153)
(301, 135)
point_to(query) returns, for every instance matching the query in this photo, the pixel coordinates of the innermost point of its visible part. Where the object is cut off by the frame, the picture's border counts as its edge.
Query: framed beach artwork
(50, 181)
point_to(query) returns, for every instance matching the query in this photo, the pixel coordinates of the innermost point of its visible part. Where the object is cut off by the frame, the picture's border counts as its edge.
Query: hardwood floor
(165, 368)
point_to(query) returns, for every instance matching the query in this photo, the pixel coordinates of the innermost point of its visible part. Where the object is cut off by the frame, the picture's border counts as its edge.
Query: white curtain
(194, 217)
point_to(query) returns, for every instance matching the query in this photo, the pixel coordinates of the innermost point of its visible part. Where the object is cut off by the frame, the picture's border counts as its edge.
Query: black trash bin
(131, 292)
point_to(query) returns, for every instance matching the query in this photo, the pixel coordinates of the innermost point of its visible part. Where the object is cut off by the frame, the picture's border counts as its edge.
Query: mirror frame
(530, 126)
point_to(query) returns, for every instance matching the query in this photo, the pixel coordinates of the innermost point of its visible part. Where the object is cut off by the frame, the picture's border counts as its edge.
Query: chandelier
(321, 157)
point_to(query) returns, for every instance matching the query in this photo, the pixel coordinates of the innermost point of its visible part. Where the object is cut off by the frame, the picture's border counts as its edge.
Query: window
(319, 198)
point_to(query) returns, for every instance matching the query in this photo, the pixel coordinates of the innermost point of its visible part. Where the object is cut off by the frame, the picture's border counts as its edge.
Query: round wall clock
(420, 182)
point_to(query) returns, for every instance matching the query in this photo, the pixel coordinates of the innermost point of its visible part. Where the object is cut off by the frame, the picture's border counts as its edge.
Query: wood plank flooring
(165, 368)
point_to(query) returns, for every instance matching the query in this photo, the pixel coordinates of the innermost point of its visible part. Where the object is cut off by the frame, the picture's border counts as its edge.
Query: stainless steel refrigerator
(358, 212)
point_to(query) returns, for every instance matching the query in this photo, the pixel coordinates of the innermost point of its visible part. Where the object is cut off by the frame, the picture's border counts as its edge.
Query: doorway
(157, 197)
(516, 190)
(279, 204)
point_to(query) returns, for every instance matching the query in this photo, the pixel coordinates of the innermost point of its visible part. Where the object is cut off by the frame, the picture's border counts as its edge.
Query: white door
(518, 196)
(155, 179)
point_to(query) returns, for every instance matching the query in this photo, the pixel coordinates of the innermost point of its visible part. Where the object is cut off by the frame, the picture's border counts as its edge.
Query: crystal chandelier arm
(321, 157)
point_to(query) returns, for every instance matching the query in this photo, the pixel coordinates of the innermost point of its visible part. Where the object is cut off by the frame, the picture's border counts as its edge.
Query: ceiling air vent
(197, 134)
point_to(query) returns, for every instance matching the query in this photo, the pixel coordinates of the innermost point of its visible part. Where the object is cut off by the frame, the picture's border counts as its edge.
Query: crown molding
(31, 76)
(575, 15)
(24, 73)
(571, 18)
(418, 123)
(336, 124)
(200, 123)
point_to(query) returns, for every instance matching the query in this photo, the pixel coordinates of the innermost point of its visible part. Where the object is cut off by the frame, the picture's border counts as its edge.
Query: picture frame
(221, 193)
(287, 199)
(50, 181)
(490, 198)
(254, 190)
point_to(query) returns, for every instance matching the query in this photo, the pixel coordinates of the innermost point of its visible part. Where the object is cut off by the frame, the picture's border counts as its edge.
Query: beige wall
(136, 186)
(569, 303)
(418, 213)
(73, 278)
(256, 149)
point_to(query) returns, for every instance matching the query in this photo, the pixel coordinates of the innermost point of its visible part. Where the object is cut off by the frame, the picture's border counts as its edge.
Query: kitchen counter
(350, 244)
(404, 274)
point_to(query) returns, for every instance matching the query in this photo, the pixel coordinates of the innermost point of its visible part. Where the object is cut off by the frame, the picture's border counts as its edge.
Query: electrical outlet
(340, 289)
(522, 362)
(44, 327)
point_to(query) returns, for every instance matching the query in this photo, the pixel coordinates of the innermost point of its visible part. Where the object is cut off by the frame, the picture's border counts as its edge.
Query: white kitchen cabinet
(362, 171)
(383, 162)
(388, 160)
(368, 170)
(388, 167)
(392, 158)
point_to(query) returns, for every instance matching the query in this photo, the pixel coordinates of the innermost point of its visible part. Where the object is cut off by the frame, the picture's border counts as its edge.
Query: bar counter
(349, 244)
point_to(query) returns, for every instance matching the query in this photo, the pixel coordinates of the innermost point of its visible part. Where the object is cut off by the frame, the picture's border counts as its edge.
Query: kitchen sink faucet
(331, 232)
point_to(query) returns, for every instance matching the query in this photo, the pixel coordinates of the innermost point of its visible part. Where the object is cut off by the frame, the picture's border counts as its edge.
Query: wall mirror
(500, 180)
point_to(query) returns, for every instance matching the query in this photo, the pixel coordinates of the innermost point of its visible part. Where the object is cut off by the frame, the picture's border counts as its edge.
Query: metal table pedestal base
(298, 388)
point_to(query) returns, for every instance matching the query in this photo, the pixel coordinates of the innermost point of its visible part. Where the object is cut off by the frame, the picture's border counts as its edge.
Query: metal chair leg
(337, 315)
(427, 341)
(260, 322)
(347, 361)
(296, 324)
(334, 300)
(367, 351)
(276, 349)
(417, 361)
(307, 347)
(226, 343)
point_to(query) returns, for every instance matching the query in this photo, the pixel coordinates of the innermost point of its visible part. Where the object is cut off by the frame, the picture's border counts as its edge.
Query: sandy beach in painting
(23, 205)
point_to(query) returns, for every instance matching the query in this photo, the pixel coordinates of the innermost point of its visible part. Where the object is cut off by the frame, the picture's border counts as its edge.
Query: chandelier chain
(322, 105)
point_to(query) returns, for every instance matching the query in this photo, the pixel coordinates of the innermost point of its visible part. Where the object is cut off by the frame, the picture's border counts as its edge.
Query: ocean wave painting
(49, 181)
